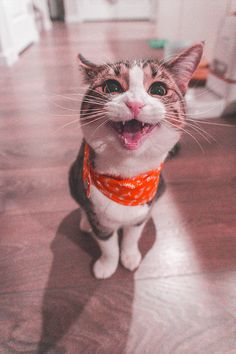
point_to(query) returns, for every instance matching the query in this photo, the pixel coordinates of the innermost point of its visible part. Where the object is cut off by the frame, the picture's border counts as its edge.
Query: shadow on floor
(80, 313)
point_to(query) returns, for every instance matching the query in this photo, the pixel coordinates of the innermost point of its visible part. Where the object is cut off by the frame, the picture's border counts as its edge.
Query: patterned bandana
(133, 191)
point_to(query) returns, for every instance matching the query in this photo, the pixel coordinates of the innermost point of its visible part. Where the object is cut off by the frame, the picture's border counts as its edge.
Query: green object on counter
(157, 43)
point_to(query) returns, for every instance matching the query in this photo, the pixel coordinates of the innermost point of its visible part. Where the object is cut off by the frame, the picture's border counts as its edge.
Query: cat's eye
(112, 86)
(158, 88)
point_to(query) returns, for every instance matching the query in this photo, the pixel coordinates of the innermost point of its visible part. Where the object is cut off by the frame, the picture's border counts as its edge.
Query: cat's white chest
(114, 215)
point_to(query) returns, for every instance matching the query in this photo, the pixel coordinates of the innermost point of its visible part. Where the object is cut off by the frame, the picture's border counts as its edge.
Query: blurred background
(106, 30)
(182, 299)
(23, 21)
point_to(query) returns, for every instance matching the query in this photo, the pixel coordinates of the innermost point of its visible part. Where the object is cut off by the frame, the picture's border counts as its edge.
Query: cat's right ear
(88, 69)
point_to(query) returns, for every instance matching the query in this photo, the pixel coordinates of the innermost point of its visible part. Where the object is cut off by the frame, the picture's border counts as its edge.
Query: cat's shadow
(80, 313)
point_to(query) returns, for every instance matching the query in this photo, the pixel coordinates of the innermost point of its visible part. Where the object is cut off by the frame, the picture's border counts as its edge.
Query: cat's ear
(89, 69)
(183, 66)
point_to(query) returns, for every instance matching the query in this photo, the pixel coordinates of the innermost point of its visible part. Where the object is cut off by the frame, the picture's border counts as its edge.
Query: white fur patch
(113, 215)
(136, 77)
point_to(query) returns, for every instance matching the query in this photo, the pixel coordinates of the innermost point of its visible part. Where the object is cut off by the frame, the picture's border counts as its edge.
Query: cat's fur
(113, 154)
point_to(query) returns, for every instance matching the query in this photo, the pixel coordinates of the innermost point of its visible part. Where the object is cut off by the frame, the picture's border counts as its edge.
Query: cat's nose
(134, 106)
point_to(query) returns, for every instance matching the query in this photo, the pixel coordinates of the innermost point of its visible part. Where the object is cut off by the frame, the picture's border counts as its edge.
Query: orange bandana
(127, 191)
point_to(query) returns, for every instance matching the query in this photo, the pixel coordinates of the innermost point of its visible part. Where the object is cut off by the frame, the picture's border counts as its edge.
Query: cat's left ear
(90, 70)
(183, 66)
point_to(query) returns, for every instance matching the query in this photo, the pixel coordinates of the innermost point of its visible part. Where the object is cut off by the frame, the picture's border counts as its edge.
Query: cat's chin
(132, 133)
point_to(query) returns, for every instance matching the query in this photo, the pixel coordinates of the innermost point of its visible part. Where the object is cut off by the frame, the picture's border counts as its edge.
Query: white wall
(192, 20)
(89, 10)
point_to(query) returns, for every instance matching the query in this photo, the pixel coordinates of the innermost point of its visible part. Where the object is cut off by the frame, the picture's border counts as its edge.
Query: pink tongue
(131, 140)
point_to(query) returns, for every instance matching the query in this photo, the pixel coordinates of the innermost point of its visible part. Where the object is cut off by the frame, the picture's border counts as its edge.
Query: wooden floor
(182, 299)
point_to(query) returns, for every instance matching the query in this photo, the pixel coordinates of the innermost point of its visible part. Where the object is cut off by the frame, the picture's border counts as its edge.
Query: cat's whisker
(92, 114)
(184, 100)
(64, 115)
(203, 132)
(193, 115)
(91, 117)
(185, 131)
(93, 98)
(89, 99)
(103, 123)
(92, 121)
(64, 97)
(62, 107)
(73, 115)
(67, 124)
(197, 114)
(91, 90)
(209, 138)
(87, 111)
(81, 125)
(94, 102)
(199, 130)
(200, 93)
(98, 96)
(203, 121)
(95, 109)
(70, 94)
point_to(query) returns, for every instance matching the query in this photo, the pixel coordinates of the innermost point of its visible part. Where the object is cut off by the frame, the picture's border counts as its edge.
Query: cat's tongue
(131, 140)
(132, 134)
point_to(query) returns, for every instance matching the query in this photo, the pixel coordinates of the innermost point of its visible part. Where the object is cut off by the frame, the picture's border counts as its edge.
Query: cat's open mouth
(133, 132)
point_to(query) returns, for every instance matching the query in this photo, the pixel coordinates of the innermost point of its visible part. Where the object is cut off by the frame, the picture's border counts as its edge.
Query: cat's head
(133, 106)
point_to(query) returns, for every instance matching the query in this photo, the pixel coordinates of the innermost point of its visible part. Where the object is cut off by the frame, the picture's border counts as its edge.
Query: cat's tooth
(123, 123)
(143, 124)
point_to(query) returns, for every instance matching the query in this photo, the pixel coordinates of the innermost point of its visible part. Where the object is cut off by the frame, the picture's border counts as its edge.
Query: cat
(131, 116)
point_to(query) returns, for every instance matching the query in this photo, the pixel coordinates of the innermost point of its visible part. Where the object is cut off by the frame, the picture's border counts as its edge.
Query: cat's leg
(130, 254)
(107, 264)
(84, 223)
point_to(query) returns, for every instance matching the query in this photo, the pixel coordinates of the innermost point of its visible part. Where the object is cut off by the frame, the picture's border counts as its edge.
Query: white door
(17, 27)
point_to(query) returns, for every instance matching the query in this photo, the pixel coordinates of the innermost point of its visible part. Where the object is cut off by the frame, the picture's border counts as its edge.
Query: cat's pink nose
(135, 107)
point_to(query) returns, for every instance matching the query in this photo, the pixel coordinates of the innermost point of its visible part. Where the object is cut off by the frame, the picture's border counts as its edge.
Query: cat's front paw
(104, 268)
(131, 260)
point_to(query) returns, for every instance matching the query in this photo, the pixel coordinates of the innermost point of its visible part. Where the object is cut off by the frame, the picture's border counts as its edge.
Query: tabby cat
(131, 116)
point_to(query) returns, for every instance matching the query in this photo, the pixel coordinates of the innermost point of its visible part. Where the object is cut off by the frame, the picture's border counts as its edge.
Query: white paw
(104, 268)
(131, 260)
